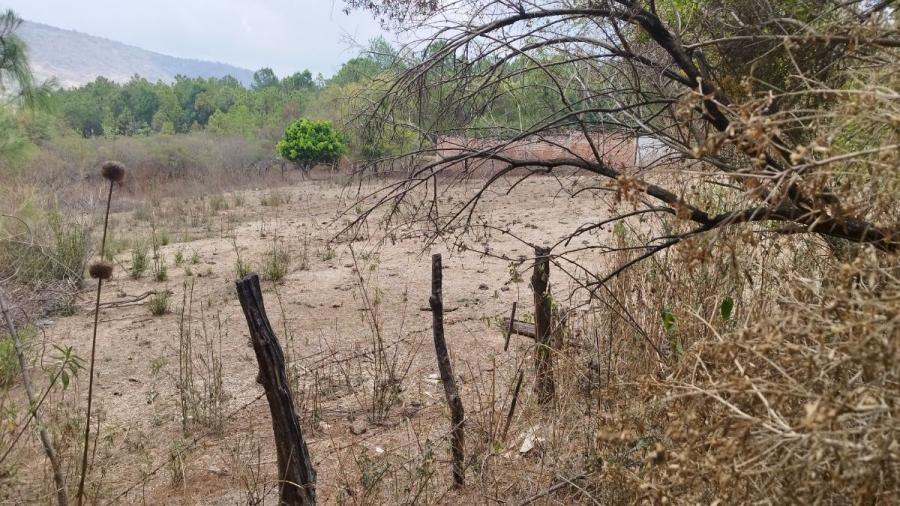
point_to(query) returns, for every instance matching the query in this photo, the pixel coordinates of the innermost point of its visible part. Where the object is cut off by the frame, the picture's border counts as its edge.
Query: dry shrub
(799, 405)
(666, 393)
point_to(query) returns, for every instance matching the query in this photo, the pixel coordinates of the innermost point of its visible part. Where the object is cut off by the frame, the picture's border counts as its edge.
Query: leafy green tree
(308, 142)
(239, 120)
(264, 78)
(299, 81)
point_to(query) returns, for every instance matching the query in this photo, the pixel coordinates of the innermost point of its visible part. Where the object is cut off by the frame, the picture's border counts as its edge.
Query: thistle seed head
(101, 270)
(113, 171)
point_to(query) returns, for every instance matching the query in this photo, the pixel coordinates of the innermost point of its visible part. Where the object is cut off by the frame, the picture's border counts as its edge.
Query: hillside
(75, 58)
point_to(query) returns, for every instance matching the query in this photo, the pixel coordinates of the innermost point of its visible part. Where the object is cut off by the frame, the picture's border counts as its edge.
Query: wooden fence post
(297, 478)
(544, 386)
(443, 359)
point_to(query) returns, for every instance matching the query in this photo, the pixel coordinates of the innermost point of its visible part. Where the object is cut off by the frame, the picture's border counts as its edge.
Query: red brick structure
(616, 150)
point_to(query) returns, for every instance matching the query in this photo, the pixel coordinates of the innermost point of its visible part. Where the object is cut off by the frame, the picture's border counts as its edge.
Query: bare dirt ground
(147, 453)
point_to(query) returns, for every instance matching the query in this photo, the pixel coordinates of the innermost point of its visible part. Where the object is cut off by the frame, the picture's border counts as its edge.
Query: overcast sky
(286, 35)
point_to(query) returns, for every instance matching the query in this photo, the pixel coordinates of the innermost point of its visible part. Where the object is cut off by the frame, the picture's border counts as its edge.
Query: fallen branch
(130, 301)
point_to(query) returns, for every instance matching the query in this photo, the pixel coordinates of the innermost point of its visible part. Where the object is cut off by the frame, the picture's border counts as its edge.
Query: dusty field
(365, 451)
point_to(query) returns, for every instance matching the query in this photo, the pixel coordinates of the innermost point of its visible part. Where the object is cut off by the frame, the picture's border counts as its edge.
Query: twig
(562, 484)
(509, 329)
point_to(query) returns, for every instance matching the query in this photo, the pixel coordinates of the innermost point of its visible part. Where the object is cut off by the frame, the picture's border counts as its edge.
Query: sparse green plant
(157, 364)
(276, 263)
(115, 247)
(328, 252)
(275, 198)
(142, 213)
(177, 463)
(140, 260)
(70, 248)
(195, 258)
(303, 258)
(179, 257)
(241, 267)
(67, 307)
(514, 275)
(158, 304)
(200, 386)
(245, 454)
(160, 271)
(9, 364)
(388, 370)
(218, 203)
(48, 246)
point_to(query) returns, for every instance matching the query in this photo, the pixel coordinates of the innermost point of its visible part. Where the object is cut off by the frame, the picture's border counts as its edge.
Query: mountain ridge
(75, 58)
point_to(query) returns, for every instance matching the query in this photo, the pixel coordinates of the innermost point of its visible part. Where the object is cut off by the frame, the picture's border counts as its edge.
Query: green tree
(308, 142)
(299, 81)
(264, 78)
(16, 78)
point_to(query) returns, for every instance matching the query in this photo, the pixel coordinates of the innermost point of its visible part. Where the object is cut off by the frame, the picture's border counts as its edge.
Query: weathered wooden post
(297, 478)
(544, 385)
(443, 359)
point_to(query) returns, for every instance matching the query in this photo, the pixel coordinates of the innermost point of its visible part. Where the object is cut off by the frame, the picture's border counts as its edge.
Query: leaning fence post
(540, 282)
(297, 478)
(443, 358)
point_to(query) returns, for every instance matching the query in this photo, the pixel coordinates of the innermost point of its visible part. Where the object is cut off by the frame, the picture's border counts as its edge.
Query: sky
(286, 35)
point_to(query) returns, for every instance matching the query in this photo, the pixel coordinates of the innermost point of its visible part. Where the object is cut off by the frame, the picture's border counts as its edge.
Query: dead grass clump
(275, 198)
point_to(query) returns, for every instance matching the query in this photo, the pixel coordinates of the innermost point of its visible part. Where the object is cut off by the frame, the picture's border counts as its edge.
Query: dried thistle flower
(101, 270)
(113, 171)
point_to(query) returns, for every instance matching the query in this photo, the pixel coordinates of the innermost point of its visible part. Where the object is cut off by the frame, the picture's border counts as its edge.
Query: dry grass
(660, 396)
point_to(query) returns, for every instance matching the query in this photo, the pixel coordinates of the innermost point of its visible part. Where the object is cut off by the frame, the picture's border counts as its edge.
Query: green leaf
(726, 307)
(668, 320)
(65, 379)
